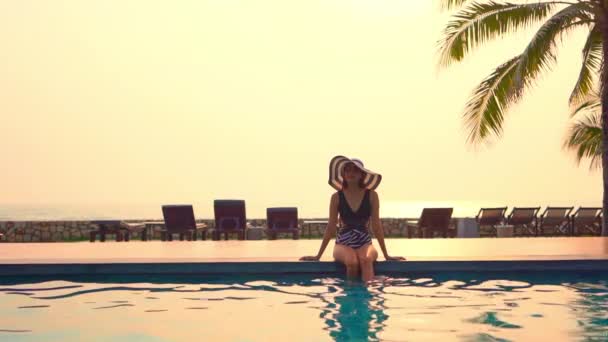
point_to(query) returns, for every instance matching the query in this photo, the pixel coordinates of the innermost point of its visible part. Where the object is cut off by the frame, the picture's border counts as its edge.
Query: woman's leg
(348, 257)
(367, 255)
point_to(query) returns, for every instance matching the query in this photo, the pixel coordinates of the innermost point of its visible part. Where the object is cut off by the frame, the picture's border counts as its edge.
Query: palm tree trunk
(603, 21)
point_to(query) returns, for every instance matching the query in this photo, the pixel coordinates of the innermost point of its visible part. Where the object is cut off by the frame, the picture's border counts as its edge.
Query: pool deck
(281, 256)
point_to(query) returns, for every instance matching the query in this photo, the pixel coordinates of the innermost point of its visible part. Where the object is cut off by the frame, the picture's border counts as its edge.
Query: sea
(130, 211)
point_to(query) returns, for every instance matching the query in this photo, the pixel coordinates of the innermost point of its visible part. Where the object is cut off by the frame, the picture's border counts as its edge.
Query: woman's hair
(361, 180)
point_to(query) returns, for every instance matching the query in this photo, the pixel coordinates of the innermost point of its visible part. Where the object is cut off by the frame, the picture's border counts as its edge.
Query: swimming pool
(442, 306)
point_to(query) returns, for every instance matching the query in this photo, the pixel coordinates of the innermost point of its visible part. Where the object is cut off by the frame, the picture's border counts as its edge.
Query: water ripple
(113, 306)
(490, 318)
(348, 310)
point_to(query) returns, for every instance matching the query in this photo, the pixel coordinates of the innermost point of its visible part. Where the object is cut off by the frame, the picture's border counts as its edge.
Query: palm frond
(539, 55)
(591, 105)
(450, 4)
(592, 61)
(585, 139)
(485, 110)
(478, 23)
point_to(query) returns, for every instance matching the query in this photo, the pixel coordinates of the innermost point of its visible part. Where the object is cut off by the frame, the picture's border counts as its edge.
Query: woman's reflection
(354, 312)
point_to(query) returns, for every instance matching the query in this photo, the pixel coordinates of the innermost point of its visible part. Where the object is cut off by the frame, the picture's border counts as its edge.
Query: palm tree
(585, 135)
(478, 21)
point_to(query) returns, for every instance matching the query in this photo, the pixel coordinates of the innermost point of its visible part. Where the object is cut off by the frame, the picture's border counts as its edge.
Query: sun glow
(140, 103)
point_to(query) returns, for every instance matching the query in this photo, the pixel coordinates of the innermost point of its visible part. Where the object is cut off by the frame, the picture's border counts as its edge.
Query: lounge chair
(229, 218)
(179, 219)
(587, 219)
(525, 219)
(433, 220)
(556, 219)
(490, 217)
(119, 228)
(282, 220)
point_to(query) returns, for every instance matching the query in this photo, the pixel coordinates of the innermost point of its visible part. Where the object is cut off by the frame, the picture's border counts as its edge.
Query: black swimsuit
(354, 234)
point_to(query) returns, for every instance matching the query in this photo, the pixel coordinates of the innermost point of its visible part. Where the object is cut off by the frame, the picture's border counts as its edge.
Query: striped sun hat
(337, 163)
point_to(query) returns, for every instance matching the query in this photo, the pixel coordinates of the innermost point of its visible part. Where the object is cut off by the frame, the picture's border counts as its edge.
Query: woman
(354, 204)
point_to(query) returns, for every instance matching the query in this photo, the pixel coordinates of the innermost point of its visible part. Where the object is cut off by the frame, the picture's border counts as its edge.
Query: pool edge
(285, 267)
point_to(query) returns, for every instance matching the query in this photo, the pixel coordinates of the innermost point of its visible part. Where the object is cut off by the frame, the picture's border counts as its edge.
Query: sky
(128, 105)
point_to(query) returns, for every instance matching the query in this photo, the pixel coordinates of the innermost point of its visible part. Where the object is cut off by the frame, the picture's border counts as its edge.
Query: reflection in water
(354, 312)
(463, 307)
(592, 309)
(490, 318)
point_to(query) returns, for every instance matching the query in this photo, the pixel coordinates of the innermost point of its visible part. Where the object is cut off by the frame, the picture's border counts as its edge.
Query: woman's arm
(330, 231)
(377, 226)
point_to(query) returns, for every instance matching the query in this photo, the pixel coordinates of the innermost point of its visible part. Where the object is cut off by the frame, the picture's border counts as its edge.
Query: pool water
(440, 307)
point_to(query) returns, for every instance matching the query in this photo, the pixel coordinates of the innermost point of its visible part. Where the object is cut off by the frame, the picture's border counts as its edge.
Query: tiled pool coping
(281, 256)
(324, 267)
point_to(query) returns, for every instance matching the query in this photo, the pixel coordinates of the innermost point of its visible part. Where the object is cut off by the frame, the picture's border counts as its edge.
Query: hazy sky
(140, 103)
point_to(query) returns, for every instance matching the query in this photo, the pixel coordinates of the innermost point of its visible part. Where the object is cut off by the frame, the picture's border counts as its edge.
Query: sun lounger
(122, 230)
(525, 220)
(433, 220)
(490, 217)
(179, 219)
(587, 220)
(556, 220)
(229, 218)
(282, 220)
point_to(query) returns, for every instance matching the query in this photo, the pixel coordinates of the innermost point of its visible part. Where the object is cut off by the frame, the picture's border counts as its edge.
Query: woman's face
(352, 173)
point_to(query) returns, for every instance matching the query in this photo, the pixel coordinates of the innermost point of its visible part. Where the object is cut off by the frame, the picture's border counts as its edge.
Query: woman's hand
(310, 258)
(393, 258)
